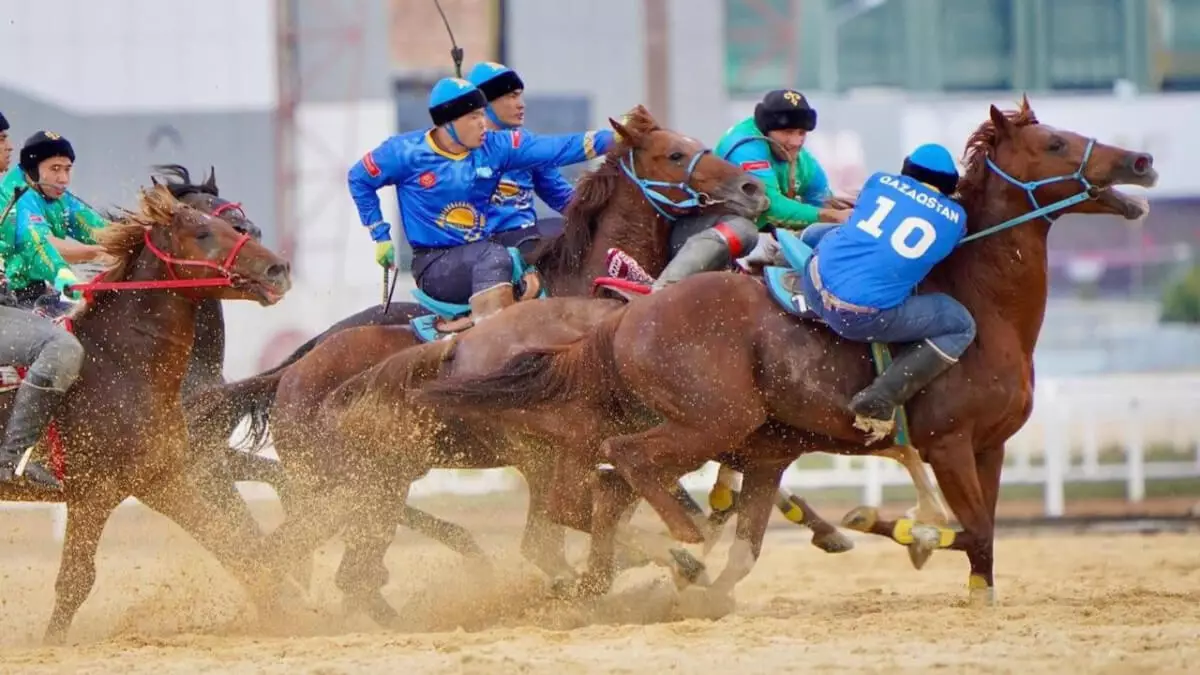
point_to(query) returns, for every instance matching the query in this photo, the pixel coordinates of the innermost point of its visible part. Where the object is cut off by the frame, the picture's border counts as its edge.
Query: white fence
(1076, 425)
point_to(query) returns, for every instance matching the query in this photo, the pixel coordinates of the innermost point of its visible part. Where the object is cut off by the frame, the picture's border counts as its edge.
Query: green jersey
(25, 247)
(795, 196)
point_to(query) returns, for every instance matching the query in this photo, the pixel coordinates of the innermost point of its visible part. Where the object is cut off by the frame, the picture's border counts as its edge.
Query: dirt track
(1112, 604)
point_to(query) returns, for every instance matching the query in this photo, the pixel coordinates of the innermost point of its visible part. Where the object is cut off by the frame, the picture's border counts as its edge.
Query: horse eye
(1057, 145)
(203, 233)
(676, 156)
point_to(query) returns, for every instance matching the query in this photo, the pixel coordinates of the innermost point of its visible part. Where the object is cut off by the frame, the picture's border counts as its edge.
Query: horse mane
(179, 181)
(564, 254)
(980, 146)
(124, 237)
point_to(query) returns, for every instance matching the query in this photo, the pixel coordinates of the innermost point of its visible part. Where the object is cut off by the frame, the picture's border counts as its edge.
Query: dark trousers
(455, 274)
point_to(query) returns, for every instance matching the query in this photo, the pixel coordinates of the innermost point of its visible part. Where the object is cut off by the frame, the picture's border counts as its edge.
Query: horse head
(207, 254)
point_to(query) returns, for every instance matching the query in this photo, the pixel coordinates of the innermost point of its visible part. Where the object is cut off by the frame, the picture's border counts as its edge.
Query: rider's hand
(839, 216)
(385, 254)
(63, 279)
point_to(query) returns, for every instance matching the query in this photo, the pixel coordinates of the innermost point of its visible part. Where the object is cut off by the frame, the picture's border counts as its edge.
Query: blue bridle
(695, 200)
(1040, 211)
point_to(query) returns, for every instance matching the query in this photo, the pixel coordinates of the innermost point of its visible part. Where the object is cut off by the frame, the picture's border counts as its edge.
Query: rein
(1089, 192)
(226, 278)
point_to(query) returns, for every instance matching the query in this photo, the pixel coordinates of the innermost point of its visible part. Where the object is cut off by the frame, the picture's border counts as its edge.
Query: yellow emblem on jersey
(462, 216)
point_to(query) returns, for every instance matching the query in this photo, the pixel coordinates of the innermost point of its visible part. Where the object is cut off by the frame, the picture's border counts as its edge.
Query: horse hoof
(982, 597)
(55, 638)
(688, 570)
(924, 543)
(832, 541)
(381, 612)
(861, 519)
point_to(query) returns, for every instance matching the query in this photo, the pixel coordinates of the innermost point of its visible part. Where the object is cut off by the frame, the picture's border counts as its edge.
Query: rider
(444, 179)
(34, 251)
(34, 242)
(514, 220)
(795, 182)
(863, 276)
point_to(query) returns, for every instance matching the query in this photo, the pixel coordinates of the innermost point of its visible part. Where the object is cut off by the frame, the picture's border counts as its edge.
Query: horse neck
(1002, 279)
(629, 223)
(148, 331)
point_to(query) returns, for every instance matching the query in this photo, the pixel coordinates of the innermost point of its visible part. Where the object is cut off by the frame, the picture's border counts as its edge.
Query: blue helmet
(451, 98)
(495, 79)
(932, 164)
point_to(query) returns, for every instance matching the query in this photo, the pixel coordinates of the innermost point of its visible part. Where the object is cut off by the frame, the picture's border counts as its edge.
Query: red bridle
(225, 269)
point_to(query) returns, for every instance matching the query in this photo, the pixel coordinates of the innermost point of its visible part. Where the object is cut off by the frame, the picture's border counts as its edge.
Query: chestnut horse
(732, 377)
(121, 427)
(374, 465)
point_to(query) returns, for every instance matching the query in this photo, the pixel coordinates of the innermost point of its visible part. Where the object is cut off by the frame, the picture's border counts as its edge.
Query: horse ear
(154, 181)
(1001, 122)
(624, 134)
(211, 182)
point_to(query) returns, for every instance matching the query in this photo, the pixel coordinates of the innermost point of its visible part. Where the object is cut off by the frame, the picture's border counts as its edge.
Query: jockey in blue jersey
(514, 220)
(445, 178)
(863, 276)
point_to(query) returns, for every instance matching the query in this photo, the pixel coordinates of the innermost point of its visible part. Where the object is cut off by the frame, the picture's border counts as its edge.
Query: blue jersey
(899, 230)
(512, 202)
(445, 198)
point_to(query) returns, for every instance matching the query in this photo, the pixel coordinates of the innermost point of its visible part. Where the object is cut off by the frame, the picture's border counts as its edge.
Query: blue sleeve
(378, 168)
(555, 190)
(817, 190)
(513, 150)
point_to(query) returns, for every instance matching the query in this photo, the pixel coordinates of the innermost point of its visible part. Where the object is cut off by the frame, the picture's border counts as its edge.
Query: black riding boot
(704, 251)
(32, 412)
(908, 373)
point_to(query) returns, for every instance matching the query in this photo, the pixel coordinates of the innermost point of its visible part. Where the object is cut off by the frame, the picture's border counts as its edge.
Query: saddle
(448, 318)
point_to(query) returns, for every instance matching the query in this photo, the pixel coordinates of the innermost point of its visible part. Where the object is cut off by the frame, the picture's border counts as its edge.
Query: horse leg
(971, 490)
(930, 508)
(229, 533)
(825, 536)
(544, 542)
(77, 570)
(611, 496)
(363, 572)
(724, 498)
(760, 485)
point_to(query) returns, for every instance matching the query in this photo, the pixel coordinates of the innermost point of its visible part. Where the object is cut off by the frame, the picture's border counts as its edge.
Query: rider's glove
(385, 254)
(63, 279)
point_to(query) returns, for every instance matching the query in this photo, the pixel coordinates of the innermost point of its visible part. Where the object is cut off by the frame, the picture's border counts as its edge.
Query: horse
(136, 326)
(311, 400)
(729, 375)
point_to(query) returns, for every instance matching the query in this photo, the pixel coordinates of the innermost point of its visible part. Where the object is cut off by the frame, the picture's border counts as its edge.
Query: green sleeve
(785, 212)
(83, 220)
(32, 242)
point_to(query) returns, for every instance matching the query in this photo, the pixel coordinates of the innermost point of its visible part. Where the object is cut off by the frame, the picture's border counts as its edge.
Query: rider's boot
(710, 250)
(906, 375)
(487, 303)
(34, 408)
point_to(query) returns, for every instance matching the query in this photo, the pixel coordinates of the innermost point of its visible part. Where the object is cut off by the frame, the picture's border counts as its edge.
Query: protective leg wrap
(712, 249)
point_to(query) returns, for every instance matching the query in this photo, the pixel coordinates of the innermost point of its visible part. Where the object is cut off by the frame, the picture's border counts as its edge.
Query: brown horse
(121, 426)
(310, 398)
(732, 377)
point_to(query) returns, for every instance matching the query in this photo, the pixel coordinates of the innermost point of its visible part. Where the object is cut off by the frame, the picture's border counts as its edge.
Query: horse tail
(215, 412)
(560, 373)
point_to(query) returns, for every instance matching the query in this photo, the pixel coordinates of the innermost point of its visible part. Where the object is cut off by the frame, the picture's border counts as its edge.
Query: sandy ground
(1113, 603)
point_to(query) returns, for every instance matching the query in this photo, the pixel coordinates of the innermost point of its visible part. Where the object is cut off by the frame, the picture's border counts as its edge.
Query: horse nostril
(278, 271)
(1140, 163)
(752, 188)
